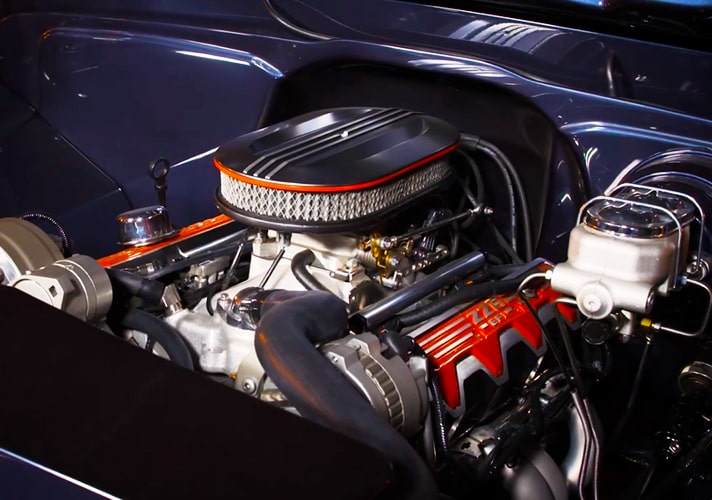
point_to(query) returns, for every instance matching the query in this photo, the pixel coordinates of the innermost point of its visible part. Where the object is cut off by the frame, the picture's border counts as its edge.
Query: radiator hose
(290, 324)
(160, 332)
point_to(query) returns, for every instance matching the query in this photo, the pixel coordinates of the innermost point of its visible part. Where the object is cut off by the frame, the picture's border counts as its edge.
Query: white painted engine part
(224, 341)
(626, 250)
(222, 347)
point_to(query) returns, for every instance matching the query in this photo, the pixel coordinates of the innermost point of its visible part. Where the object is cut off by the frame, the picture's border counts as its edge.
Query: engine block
(479, 337)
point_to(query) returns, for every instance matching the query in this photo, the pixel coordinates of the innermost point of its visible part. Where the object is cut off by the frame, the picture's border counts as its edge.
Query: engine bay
(364, 275)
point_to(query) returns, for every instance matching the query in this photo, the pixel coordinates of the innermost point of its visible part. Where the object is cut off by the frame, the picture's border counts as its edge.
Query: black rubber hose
(504, 244)
(513, 181)
(438, 409)
(502, 270)
(467, 294)
(378, 313)
(477, 174)
(151, 291)
(291, 323)
(534, 398)
(473, 142)
(498, 156)
(162, 333)
(67, 248)
(300, 262)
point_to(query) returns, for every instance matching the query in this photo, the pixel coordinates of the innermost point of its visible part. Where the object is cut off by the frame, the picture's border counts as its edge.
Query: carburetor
(628, 248)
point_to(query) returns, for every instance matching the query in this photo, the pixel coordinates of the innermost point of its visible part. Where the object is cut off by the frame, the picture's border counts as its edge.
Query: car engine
(360, 276)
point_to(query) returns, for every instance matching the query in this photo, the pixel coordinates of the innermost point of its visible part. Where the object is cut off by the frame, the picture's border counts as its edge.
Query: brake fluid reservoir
(625, 250)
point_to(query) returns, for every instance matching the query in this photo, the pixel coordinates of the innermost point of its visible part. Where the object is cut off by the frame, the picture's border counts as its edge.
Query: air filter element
(333, 170)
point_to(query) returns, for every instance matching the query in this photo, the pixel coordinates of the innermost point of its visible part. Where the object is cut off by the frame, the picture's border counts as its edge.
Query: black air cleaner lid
(336, 150)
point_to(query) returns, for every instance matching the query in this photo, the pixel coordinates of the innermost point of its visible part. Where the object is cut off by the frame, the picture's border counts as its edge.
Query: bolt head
(591, 303)
(674, 448)
(249, 386)
(224, 301)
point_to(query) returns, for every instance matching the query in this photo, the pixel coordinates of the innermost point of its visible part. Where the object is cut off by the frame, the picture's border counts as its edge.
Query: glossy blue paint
(614, 4)
(669, 76)
(96, 88)
(566, 193)
(23, 478)
(13, 112)
(41, 171)
(127, 82)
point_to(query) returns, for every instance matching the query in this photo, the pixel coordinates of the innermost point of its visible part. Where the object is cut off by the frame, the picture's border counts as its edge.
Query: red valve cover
(476, 332)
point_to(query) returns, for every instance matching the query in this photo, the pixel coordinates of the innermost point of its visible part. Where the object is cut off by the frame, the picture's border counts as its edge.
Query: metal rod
(378, 313)
(596, 448)
(592, 440)
(233, 265)
(662, 328)
(272, 267)
(545, 333)
(568, 346)
(441, 223)
(623, 420)
(532, 277)
(216, 243)
(581, 480)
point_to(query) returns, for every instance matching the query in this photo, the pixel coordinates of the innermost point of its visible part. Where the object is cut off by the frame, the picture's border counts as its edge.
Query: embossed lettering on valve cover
(476, 333)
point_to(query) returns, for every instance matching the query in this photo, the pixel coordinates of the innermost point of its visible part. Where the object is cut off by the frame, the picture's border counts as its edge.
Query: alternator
(396, 390)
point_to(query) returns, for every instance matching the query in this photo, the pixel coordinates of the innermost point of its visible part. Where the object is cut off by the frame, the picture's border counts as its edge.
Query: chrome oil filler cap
(144, 226)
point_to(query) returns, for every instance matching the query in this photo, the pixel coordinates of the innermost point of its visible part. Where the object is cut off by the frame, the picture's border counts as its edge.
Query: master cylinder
(626, 249)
